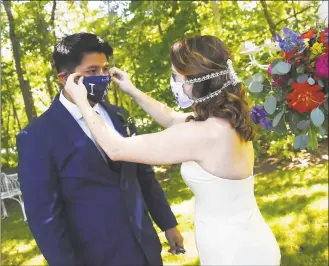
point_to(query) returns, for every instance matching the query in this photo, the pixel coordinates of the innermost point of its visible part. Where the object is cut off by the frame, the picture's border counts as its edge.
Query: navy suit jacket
(80, 209)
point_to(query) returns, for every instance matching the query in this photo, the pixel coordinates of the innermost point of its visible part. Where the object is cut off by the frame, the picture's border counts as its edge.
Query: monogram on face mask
(97, 87)
(182, 99)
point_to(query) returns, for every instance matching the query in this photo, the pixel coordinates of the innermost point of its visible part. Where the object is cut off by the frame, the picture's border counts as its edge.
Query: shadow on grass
(173, 185)
(18, 245)
(311, 243)
(283, 181)
(284, 198)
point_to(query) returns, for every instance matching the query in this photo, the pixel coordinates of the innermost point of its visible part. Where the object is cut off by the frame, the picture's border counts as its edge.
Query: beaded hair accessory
(233, 80)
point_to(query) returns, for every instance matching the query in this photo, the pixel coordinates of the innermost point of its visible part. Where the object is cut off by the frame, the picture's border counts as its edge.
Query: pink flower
(321, 66)
(269, 70)
(279, 81)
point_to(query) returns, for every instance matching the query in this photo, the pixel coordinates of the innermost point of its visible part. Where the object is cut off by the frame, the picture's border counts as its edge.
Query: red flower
(305, 97)
(323, 38)
(290, 55)
(309, 34)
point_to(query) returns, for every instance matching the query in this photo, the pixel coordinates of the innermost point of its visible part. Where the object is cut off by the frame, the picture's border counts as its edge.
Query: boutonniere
(127, 121)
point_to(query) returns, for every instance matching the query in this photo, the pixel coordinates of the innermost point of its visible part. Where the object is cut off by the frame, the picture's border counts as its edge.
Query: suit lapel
(72, 129)
(74, 132)
(128, 169)
(117, 121)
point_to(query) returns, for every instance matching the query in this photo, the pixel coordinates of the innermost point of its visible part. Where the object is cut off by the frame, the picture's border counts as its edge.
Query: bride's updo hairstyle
(199, 56)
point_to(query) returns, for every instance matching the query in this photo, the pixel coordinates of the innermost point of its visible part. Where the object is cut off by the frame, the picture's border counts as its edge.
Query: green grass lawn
(293, 202)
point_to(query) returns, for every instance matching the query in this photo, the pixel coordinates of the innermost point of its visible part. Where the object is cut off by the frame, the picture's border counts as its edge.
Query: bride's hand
(121, 78)
(78, 92)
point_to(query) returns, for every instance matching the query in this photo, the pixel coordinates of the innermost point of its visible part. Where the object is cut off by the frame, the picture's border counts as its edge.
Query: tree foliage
(141, 33)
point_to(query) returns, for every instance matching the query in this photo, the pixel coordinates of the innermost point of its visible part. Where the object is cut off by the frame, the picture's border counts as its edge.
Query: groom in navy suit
(83, 208)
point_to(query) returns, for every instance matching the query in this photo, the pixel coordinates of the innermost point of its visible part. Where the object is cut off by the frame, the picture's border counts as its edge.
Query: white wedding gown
(229, 227)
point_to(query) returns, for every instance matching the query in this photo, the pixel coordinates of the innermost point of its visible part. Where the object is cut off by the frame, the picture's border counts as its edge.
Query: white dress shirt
(75, 112)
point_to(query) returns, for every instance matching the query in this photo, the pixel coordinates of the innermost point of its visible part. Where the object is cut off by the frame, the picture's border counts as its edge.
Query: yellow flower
(307, 44)
(316, 50)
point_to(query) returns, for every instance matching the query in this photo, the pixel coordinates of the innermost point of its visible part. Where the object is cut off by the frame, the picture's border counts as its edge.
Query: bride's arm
(161, 113)
(177, 144)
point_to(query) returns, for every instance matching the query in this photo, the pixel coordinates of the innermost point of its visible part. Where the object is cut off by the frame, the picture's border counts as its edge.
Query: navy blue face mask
(97, 87)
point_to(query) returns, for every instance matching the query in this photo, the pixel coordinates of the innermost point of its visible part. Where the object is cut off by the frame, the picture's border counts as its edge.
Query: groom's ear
(62, 77)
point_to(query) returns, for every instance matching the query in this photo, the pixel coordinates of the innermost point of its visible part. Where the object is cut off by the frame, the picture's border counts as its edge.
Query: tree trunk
(295, 15)
(7, 136)
(268, 18)
(160, 28)
(13, 105)
(216, 17)
(24, 83)
(44, 46)
(174, 8)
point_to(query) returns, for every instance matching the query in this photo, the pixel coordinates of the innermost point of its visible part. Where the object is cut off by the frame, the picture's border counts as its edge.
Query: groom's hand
(175, 241)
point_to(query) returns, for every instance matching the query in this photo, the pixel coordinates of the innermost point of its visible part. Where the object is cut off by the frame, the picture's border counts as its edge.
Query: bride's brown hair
(199, 56)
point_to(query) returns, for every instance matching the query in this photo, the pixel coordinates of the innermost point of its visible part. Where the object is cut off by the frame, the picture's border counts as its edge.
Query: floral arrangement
(294, 97)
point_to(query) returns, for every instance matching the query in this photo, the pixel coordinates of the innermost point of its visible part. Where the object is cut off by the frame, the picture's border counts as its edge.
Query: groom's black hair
(68, 53)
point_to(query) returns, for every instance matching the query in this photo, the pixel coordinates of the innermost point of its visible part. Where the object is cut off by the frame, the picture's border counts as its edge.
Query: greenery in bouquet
(293, 98)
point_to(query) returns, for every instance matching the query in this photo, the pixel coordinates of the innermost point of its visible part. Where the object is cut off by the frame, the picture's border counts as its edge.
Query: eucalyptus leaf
(320, 83)
(258, 77)
(304, 124)
(270, 104)
(281, 68)
(311, 81)
(255, 87)
(277, 118)
(301, 142)
(302, 78)
(317, 117)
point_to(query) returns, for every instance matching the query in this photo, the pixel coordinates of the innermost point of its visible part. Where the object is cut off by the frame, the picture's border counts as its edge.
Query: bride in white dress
(213, 143)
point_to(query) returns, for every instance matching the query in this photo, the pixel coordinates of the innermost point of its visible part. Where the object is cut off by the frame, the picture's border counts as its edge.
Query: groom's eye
(92, 71)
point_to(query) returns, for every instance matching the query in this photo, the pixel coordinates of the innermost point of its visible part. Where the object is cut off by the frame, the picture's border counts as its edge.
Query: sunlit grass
(293, 202)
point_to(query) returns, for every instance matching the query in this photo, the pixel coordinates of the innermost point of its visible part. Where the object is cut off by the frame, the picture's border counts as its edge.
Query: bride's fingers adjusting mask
(121, 78)
(75, 89)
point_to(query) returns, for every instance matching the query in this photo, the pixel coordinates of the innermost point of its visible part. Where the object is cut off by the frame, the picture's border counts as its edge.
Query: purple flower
(291, 42)
(258, 114)
(266, 123)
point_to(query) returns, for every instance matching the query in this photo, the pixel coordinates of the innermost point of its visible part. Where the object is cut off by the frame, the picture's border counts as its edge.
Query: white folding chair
(10, 190)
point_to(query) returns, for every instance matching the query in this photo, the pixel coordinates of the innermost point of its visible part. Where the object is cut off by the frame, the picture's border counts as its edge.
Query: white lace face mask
(182, 99)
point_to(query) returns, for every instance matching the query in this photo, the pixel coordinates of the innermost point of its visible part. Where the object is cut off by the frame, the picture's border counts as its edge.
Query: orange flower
(305, 97)
(309, 34)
